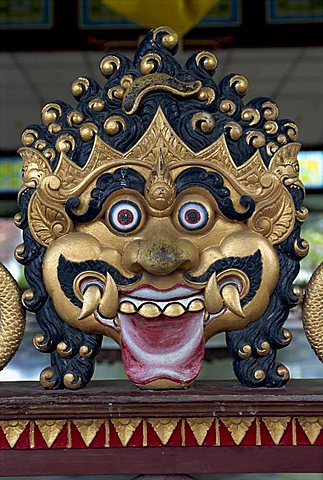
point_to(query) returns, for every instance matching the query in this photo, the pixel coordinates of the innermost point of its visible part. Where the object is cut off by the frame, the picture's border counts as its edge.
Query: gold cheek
(75, 247)
(237, 246)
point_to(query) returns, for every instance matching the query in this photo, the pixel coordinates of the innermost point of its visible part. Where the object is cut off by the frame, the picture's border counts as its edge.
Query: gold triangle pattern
(50, 429)
(276, 427)
(125, 427)
(312, 427)
(88, 429)
(164, 427)
(238, 427)
(200, 427)
(13, 429)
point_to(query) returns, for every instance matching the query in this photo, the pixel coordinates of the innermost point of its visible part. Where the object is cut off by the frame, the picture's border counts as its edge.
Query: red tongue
(162, 348)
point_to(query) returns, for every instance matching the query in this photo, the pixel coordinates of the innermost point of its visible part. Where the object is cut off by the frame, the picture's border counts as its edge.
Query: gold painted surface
(312, 426)
(200, 427)
(312, 311)
(164, 427)
(276, 426)
(50, 429)
(274, 205)
(125, 427)
(13, 429)
(88, 429)
(12, 317)
(238, 427)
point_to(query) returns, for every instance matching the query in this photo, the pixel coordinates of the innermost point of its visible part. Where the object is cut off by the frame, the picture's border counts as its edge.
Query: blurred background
(276, 44)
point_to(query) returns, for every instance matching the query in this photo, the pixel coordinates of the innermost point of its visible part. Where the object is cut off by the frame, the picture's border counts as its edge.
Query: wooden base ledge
(114, 428)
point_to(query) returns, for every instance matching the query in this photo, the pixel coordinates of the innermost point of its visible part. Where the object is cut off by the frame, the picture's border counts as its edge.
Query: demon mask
(159, 212)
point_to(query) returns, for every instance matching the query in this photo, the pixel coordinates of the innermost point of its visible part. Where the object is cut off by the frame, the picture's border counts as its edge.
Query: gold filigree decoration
(208, 59)
(302, 249)
(47, 378)
(47, 222)
(206, 94)
(200, 428)
(312, 427)
(285, 164)
(276, 426)
(28, 137)
(256, 139)
(283, 372)
(50, 429)
(51, 113)
(114, 125)
(96, 104)
(65, 143)
(228, 106)
(35, 167)
(238, 427)
(292, 131)
(109, 65)
(80, 86)
(271, 110)
(38, 342)
(245, 352)
(125, 427)
(250, 115)
(271, 127)
(264, 349)
(259, 375)
(204, 121)
(63, 350)
(170, 39)
(88, 429)
(54, 128)
(87, 131)
(312, 311)
(271, 148)
(13, 429)
(71, 381)
(149, 63)
(75, 118)
(235, 130)
(240, 84)
(164, 427)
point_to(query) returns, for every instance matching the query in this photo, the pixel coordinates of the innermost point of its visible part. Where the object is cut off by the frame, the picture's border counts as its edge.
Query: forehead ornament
(160, 187)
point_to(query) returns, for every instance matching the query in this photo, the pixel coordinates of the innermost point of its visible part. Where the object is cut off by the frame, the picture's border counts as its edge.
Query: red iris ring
(192, 216)
(125, 217)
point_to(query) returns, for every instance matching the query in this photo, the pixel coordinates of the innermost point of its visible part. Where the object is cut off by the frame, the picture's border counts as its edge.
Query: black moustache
(251, 265)
(67, 271)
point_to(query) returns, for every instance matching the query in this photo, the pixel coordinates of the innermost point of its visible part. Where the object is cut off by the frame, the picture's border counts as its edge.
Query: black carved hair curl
(53, 329)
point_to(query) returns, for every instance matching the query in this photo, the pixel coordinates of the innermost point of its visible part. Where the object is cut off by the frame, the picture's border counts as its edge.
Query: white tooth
(162, 305)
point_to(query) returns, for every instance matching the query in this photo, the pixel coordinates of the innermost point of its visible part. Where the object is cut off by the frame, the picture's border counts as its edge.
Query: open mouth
(161, 331)
(162, 334)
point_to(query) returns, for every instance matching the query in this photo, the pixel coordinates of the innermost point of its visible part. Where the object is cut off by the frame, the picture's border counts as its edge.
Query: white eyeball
(193, 216)
(124, 216)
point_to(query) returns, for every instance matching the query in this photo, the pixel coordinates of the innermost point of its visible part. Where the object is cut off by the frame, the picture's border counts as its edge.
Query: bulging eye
(124, 216)
(193, 216)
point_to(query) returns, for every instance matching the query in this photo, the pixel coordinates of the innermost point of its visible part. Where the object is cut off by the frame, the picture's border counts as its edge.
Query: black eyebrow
(213, 183)
(122, 178)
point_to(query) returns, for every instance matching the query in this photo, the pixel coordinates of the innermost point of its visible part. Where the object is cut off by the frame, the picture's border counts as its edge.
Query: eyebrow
(106, 184)
(214, 184)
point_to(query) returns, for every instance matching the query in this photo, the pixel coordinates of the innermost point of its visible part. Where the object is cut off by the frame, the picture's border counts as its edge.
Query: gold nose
(160, 255)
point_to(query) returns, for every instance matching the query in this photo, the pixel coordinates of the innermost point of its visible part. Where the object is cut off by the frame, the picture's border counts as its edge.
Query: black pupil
(193, 216)
(125, 217)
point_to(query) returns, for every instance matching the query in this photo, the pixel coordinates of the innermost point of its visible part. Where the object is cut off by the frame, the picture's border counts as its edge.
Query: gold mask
(162, 212)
